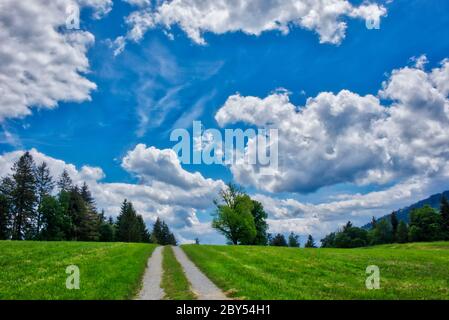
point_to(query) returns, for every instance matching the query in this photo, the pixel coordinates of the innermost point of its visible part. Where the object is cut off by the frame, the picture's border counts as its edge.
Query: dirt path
(151, 283)
(203, 288)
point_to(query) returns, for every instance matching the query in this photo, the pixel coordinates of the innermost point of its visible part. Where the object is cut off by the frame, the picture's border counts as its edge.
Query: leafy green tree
(351, 237)
(425, 225)
(278, 241)
(382, 234)
(402, 234)
(44, 187)
(260, 217)
(310, 242)
(329, 241)
(234, 218)
(54, 222)
(293, 240)
(445, 217)
(107, 228)
(24, 198)
(348, 237)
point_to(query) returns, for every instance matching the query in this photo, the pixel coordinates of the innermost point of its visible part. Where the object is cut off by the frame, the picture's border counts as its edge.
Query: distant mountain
(404, 213)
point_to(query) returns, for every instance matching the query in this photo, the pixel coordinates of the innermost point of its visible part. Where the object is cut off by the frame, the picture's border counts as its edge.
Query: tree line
(242, 221)
(33, 206)
(426, 225)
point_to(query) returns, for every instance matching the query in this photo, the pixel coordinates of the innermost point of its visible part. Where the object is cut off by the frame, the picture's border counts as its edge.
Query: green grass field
(411, 271)
(37, 270)
(174, 281)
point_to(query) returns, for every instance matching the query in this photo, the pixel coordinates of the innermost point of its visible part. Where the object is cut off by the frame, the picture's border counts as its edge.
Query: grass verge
(37, 270)
(411, 271)
(174, 281)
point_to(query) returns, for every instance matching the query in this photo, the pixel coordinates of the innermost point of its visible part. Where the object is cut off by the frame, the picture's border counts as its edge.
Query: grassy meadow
(37, 270)
(409, 271)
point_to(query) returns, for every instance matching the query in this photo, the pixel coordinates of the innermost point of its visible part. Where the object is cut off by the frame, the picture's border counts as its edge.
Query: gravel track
(202, 287)
(151, 283)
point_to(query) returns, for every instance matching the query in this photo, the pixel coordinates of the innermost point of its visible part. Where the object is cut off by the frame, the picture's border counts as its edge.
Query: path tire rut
(202, 287)
(151, 283)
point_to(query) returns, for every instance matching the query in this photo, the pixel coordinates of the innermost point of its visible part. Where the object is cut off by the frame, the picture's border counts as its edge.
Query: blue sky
(160, 82)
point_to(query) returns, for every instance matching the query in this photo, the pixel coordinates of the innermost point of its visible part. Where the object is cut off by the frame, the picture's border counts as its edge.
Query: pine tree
(161, 234)
(165, 234)
(383, 233)
(144, 234)
(44, 187)
(402, 233)
(293, 240)
(87, 196)
(394, 225)
(92, 222)
(373, 223)
(24, 198)
(172, 240)
(76, 211)
(310, 242)
(107, 228)
(128, 226)
(445, 217)
(278, 241)
(156, 235)
(5, 217)
(65, 183)
(90, 226)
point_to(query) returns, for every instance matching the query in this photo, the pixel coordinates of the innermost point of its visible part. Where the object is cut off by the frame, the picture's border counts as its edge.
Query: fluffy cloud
(348, 138)
(253, 17)
(40, 64)
(138, 3)
(155, 197)
(152, 164)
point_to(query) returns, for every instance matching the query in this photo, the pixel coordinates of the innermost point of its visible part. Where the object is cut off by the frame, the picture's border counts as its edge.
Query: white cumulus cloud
(42, 63)
(349, 138)
(253, 17)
